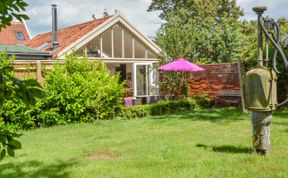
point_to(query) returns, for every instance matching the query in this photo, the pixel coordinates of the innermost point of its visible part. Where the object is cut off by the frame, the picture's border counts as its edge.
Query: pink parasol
(181, 65)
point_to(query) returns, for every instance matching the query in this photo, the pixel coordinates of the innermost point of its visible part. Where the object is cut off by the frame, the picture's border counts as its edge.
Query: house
(113, 39)
(12, 40)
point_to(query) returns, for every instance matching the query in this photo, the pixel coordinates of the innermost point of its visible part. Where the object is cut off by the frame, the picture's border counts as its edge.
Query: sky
(71, 12)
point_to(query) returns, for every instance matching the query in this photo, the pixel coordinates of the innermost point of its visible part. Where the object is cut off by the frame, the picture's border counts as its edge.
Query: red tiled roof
(65, 36)
(8, 34)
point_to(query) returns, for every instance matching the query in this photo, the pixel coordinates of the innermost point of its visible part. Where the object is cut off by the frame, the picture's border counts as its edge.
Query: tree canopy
(201, 31)
(10, 9)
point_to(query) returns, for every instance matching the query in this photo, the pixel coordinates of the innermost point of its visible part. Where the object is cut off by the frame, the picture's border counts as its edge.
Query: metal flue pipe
(54, 27)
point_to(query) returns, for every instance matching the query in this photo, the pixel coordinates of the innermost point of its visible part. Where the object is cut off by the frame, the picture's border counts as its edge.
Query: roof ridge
(75, 25)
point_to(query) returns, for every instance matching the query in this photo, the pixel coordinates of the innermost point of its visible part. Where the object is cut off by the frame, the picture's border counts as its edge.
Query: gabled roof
(8, 34)
(75, 37)
(65, 36)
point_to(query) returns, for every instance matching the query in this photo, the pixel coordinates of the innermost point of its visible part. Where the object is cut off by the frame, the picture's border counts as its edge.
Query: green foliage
(203, 101)
(15, 96)
(80, 90)
(11, 87)
(10, 9)
(160, 108)
(8, 143)
(138, 111)
(175, 84)
(200, 31)
(15, 112)
(77, 91)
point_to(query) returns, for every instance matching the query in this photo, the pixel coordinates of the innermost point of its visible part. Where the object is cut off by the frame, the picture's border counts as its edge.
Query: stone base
(261, 131)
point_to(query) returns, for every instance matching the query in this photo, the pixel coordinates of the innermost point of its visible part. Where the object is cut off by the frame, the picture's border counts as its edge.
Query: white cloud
(77, 11)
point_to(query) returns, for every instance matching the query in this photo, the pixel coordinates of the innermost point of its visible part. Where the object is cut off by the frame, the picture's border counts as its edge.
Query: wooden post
(133, 48)
(38, 71)
(112, 43)
(241, 87)
(123, 43)
(101, 45)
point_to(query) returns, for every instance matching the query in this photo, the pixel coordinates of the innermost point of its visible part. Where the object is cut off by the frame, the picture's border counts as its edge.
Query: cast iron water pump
(261, 82)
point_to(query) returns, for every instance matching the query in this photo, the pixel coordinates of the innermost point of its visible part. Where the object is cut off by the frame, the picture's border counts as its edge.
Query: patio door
(144, 79)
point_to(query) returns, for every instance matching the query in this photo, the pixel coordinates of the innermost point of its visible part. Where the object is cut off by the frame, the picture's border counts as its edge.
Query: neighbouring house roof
(15, 34)
(23, 52)
(65, 36)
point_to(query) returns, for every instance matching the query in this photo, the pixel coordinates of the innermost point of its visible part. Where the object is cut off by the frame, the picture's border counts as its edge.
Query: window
(19, 35)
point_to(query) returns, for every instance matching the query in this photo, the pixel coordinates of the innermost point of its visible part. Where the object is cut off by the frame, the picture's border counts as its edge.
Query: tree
(201, 31)
(10, 9)
(10, 86)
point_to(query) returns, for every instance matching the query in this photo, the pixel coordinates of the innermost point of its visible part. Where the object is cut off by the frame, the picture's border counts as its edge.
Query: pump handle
(276, 42)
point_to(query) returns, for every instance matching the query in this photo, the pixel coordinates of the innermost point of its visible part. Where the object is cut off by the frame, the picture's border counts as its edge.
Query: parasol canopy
(181, 65)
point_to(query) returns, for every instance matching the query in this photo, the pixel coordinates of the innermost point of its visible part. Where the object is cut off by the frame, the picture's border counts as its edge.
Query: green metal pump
(261, 89)
(261, 83)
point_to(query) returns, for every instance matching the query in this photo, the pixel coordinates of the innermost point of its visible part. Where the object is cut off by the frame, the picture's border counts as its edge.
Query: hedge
(160, 108)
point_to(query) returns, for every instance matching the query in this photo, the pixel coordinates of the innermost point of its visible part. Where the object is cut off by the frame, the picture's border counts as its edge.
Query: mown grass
(208, 143)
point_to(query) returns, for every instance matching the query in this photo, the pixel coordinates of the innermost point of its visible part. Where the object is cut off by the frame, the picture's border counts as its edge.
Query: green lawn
(209, 143)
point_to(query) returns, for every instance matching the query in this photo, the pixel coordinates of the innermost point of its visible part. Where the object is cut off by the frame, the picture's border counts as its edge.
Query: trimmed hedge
(203, 101)
(160, 108)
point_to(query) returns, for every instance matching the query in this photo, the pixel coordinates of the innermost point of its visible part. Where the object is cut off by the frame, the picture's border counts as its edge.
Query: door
(144, 79)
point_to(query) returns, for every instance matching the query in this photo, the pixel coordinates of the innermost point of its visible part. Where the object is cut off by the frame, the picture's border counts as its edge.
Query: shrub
(133, 112)
(160, 108)
(80, 90)
(203, 101)
(76, 91)
(15, 112)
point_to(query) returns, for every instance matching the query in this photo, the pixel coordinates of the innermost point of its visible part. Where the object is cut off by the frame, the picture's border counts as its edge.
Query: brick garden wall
(214, 78)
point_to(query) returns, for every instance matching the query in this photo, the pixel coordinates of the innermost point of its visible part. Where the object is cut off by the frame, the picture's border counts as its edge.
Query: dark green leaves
(2, 154)
(10, 9)
(11, 88)
(8, 143)
(28, 91)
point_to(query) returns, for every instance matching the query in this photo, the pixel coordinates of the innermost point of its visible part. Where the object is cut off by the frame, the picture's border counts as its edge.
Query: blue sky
(76, 11)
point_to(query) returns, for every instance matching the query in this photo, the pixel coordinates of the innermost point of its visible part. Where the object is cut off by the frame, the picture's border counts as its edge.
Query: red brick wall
(214, 78)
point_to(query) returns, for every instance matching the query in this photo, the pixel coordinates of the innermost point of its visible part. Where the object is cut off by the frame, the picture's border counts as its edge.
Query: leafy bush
(203, 101)
(160, 108)
(79, 90)
(15, 112)
(76, 91)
